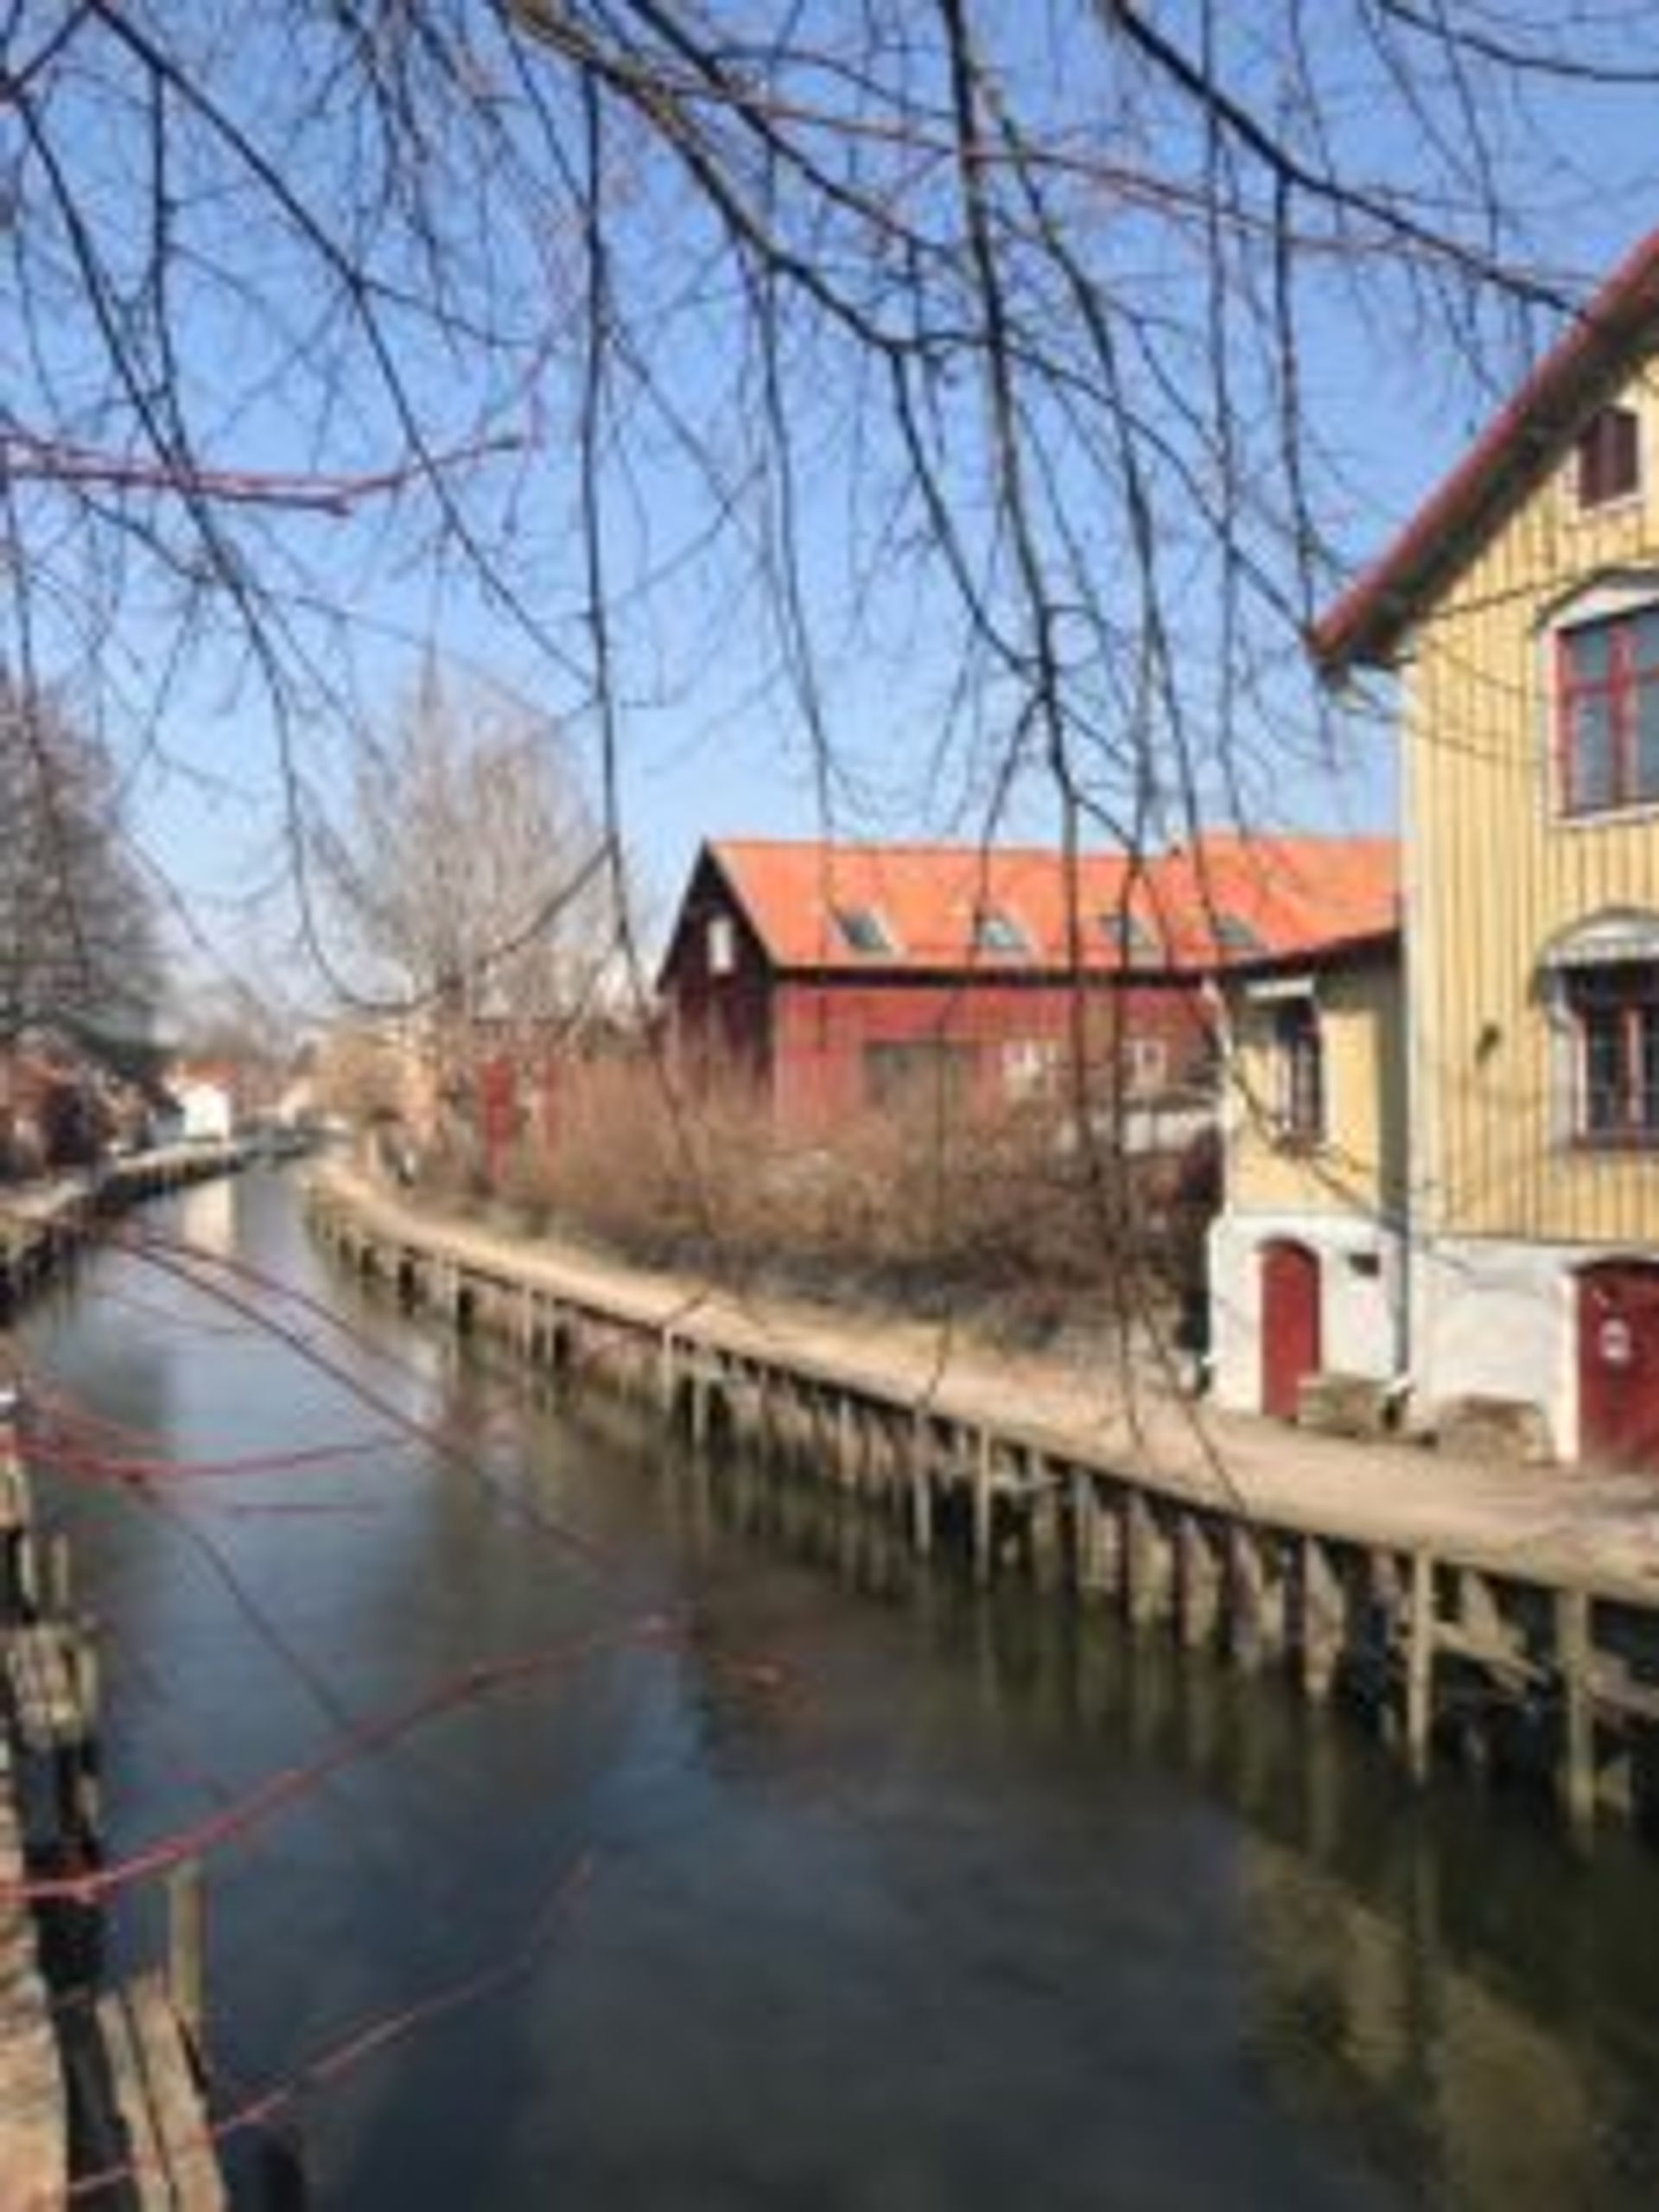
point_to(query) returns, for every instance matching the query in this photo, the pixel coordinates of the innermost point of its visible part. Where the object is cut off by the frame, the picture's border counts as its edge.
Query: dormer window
(1128, 936)
(862, 929)
(995, 931)
(1233, 935)
(1608, 458)
(1608, 680)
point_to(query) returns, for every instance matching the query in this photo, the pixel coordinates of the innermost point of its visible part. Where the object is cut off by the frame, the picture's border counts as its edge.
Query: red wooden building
(839, 979)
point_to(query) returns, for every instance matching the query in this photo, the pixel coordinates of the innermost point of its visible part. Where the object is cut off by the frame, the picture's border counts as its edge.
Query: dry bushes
(1005, 1209)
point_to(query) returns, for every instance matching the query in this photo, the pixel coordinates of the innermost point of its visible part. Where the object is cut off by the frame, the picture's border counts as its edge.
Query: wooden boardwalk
(119, 2070)
(1440, 1595)
(34, 2100)
(174, 2158)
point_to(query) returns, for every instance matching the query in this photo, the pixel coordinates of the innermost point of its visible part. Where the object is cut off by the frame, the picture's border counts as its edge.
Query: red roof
(1366, 622)
(1231, 898)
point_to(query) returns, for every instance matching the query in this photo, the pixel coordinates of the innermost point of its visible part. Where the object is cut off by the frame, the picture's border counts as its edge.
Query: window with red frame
(1609, 457)
(1299, 1049)
(1608, 673)
(1617, 1009)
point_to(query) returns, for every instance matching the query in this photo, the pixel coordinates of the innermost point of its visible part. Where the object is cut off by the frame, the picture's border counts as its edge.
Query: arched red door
(1290, 1325)
(1618, 1363)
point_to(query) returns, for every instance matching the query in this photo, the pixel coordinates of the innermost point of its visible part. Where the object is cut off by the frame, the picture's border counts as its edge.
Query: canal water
(688, 1849)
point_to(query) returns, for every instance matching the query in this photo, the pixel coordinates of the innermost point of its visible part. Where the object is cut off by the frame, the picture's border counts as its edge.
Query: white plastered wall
(1362, 1285)
(1499, 1318)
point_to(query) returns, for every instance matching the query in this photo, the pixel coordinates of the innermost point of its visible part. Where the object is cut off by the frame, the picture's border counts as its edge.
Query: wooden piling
(984, 1507)
(1420, 1665)
(187, 1931)
(1576, 1770)
(921, 1487)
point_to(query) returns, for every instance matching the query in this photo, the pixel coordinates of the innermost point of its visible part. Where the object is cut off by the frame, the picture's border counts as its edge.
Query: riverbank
(100, 2090)
(1508, 1610)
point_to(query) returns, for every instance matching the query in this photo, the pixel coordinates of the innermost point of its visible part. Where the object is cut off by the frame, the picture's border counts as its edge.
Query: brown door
(1290, 1325)
(1618, 1363)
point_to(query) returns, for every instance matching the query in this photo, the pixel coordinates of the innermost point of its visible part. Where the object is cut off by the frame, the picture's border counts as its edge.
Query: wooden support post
(28, 1573)
(665, 1374)
(1200, 1582)
(1247, 1624)
(921, 1487)
(1082, 1496)
(699, 1410)
(1043, 1495)
(186, 1933)
(1323, 1624)
(984, 1510)
(59, 1573)
(1574, 1657)
(1420, 1666)
(846, 1470)
(87, 1684)
(1149, 1562)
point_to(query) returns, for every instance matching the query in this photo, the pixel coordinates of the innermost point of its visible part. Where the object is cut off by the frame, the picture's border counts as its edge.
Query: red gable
(1366, 622)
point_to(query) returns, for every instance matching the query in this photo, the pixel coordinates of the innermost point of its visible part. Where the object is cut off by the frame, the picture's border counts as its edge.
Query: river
(751, 1867)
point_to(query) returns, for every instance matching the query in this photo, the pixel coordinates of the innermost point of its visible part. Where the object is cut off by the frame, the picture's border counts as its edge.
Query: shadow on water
(904, 1898)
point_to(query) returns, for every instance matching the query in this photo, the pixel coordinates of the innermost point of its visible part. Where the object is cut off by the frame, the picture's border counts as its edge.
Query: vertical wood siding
(1501, 873)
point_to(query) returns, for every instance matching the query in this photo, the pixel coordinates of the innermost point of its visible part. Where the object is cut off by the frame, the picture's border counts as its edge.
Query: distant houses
(835, 979)
(66, 1096)
(1443, 1168)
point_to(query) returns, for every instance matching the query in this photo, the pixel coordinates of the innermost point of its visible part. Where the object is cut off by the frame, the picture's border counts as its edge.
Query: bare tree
(77, 938)
(475, 882)
(953, 355)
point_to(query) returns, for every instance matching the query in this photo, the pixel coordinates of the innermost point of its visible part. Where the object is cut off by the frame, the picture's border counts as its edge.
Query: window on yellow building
(1608, 458)
(1608, 674)
(1299, 1056)
(1616, 1009)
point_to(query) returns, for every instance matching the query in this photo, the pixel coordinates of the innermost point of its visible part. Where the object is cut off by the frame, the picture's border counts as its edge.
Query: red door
(1618, 1363)
(1290, 1325)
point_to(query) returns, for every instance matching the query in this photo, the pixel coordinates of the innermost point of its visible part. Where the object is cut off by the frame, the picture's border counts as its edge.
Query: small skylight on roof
(862, 929)
(1234, 936)
(995, 931)
(1128, 935)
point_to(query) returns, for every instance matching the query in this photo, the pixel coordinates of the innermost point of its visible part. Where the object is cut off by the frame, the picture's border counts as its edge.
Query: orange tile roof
(1288, 894)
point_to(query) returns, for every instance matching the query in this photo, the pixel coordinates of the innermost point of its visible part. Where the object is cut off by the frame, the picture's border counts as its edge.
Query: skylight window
(1234, 936)
(995, 931)
(862, 929)
(1128, 936)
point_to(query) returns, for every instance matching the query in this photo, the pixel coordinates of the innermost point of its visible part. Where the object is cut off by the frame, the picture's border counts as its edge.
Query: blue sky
(708, 745)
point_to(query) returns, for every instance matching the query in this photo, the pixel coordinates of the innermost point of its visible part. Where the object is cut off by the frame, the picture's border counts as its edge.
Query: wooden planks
(46, 1670)
(174, 2164)
(33, 2108)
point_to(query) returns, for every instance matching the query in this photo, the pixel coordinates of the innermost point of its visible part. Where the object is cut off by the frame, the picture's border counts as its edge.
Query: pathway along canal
(895, 1898)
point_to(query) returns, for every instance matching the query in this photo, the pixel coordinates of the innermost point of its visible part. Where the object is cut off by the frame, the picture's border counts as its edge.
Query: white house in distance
(207, 1096)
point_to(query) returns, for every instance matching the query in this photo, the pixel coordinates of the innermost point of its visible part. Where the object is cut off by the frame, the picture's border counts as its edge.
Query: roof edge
(1364, 625)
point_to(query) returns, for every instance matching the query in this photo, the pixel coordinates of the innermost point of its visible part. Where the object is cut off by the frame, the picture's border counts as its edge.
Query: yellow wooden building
(1307, 1259)
(1519, 612)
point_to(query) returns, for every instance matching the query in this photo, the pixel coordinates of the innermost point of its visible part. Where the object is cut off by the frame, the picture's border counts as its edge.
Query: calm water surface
(782, 1877)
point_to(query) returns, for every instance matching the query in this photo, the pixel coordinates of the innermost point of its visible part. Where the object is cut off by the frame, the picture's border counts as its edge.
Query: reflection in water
(207, 1216)
(899, 1899)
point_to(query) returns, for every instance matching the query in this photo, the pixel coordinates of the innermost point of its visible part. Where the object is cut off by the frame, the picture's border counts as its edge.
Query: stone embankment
(1508, 1612)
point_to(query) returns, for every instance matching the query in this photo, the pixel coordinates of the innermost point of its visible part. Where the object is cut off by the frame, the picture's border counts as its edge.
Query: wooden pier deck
(34, 2100)
(173, 2160)
(1441, 1596)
